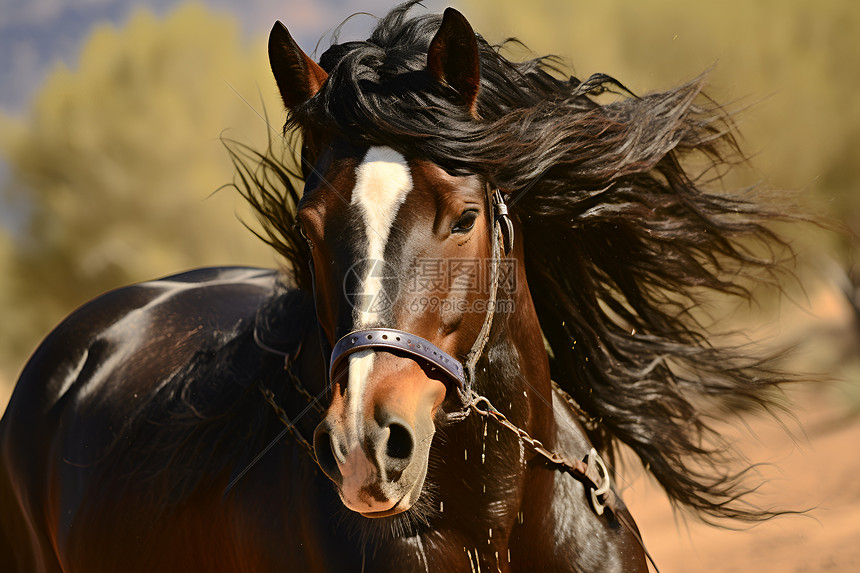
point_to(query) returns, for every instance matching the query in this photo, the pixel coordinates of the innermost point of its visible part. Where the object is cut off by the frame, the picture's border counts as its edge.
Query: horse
(490, 284)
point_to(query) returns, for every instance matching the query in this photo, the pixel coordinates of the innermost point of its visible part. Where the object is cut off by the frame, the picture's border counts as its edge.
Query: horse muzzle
(374, 442)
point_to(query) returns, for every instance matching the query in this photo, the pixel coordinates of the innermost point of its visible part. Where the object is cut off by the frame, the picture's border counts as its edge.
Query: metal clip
(474, 405)
(500, 215)
(604, 486)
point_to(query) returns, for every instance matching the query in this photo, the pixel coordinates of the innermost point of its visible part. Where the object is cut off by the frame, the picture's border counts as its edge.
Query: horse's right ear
(299, 78)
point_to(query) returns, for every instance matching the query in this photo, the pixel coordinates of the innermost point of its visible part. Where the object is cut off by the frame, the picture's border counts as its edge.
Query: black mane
(622, 238)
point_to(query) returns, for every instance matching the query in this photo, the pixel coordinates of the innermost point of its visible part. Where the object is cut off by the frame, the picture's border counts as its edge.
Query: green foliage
(10, 310)
(117, 161)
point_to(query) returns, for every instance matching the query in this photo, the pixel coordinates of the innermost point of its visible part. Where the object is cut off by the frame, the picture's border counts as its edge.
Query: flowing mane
(621, 235)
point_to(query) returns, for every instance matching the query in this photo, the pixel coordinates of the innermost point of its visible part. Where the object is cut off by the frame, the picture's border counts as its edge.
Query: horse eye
(298, 227)
(465, 222)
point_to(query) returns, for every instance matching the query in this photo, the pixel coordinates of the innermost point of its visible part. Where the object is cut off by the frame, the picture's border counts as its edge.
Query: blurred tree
(10, 310)
(117, 161)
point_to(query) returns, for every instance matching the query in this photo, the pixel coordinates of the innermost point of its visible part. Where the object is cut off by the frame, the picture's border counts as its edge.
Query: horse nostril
(324, 450)
(400, 443)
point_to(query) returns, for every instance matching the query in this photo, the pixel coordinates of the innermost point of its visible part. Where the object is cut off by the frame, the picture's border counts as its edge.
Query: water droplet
(484, 445)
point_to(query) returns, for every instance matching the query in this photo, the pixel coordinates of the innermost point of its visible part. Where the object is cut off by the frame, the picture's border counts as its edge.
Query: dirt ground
(818, 468)
(814, 463)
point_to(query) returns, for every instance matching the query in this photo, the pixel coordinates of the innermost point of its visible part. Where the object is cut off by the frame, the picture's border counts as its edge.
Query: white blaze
(382, 182)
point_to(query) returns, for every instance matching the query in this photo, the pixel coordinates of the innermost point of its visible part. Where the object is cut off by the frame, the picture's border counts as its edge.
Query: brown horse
(417, 349)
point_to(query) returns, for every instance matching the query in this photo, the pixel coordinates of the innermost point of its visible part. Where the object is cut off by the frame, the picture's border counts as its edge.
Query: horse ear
(299, 78)
(453, 58)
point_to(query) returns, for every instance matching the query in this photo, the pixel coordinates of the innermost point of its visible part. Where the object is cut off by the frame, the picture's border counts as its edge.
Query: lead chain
(576, 468)
(297, 384)
(285, 419)
(589, 423)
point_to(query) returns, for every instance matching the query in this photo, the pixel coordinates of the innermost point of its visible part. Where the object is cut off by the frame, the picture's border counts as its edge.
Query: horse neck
(523, 365)
(483, 456)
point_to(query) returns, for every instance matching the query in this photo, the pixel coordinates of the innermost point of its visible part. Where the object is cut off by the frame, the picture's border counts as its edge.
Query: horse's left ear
(453, 58)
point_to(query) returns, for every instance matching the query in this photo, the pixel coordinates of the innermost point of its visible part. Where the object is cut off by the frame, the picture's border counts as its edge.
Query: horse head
(405, 263)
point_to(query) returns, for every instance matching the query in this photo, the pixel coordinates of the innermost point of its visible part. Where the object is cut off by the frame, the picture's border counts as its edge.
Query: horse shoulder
(88, 375)
(592, 542)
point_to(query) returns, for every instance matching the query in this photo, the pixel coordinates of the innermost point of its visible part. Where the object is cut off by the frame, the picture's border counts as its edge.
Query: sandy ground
(5, 392)
(818, 468)
(815, 464)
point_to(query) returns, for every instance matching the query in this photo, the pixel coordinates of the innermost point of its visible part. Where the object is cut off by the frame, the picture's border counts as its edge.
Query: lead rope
(592, 470)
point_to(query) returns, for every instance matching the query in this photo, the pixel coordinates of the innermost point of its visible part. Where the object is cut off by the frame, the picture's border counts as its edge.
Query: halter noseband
(392, 339)
(461, 374)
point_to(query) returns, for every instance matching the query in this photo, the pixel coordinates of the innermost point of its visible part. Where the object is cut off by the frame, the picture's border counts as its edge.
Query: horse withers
(469, 229)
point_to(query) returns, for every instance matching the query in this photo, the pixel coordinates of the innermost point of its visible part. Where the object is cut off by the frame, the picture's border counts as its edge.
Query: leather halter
(591, 471)
(461, 374)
